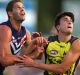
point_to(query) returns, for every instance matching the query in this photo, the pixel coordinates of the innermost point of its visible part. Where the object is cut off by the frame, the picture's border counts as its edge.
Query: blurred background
(40, 15)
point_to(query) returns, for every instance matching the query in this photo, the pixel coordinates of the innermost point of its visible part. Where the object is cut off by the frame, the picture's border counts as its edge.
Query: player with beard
(14, 37)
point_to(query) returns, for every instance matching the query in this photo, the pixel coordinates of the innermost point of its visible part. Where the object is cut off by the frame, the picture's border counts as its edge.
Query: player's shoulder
(76, 46)
(5, 27)
(76, 42)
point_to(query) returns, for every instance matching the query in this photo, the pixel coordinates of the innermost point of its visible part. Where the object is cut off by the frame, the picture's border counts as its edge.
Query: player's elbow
(2, 62)
(5, 61)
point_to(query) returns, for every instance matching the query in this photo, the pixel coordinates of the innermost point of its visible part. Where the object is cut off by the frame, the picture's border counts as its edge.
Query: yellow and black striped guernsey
(55, 52)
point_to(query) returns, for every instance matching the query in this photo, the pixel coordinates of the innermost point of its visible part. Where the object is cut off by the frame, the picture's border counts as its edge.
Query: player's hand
(26, 61)
(40, 41)
(37, 53)
(36, 34)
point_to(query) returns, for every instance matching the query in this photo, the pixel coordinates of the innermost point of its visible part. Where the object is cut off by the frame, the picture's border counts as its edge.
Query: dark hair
(60, 15)
(10, 5)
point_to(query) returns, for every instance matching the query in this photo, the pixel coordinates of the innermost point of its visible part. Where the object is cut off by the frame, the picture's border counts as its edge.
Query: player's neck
(64, 38)
(16, 24)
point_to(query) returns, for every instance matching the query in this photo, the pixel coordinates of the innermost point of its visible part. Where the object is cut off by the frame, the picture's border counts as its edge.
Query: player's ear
(9, 13)
(58, 27)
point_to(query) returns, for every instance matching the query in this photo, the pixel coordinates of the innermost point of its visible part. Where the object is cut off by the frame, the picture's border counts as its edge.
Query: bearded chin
(20, 21)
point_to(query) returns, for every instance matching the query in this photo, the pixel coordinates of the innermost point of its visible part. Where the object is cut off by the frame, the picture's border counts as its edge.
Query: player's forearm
(36, 54)
(8, 60)
(51, 67)
(27, 49)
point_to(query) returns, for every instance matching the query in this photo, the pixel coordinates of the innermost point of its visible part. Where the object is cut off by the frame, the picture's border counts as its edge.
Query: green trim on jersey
(55, 52)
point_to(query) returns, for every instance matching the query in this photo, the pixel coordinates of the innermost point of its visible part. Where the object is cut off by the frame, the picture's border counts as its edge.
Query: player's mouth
(22, 13)
(69, 27)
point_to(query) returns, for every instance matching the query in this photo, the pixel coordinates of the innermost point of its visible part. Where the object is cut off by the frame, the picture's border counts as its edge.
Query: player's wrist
(36, 64)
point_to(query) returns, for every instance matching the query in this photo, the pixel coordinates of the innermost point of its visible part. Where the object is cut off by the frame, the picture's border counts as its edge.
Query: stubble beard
(19, 20)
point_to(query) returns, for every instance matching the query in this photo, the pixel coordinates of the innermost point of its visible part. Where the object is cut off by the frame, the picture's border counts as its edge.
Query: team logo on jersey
(16, 44)
(53, 52)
